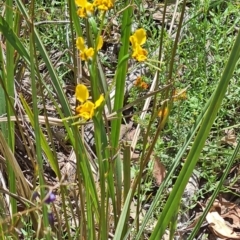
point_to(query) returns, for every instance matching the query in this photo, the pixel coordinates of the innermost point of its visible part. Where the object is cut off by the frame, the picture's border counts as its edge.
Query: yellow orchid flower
(103, 5)
(86, 108)
(138, 39)
(85, 8)
(87, 53)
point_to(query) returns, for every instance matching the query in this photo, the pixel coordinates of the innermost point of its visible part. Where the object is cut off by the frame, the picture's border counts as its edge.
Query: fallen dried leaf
(219, 227)
(233, 217)
(230, 138)
(159, 171)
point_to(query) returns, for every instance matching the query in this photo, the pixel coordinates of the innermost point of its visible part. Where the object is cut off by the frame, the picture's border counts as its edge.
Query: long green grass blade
(121, 73)
(2, 92)
(9, 86)
(122, 219)
(13, 39)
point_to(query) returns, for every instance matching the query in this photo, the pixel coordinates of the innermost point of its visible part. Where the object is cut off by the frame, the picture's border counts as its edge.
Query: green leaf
(13, 39)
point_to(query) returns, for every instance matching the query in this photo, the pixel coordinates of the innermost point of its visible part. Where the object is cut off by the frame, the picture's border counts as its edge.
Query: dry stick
(148, 101)
(174, 17)
(52, 120)
(52, 22)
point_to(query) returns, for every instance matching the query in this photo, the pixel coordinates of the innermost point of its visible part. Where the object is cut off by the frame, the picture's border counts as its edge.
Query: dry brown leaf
(234, 216)
(230, 138)
(219, 227)
(159, 171)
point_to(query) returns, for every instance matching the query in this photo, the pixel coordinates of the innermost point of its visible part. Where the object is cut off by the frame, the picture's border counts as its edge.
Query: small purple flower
(51, 218)
(51, 198)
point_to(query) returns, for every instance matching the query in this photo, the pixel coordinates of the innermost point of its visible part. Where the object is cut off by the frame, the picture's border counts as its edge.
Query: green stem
(9, 84)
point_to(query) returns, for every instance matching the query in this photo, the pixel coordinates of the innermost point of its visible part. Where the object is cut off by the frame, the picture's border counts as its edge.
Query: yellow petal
(89, 52)
(80, 44)
(133, 41)
(83, 56)
(99, 101)
(103, 5)
(140, 35)
(86, 54)
(100, 43)
(89, 8)
(81, 12)
(96, 2)
(144, 85)
(84, 115)
(139, 54)
(89, 107)
(81, 113)
(86, 110)
(81, 93)
(81, 3)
